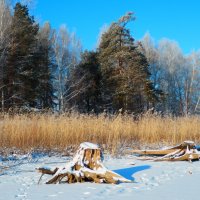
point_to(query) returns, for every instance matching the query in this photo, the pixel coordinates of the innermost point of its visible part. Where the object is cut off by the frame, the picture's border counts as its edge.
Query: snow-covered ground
(151, 180)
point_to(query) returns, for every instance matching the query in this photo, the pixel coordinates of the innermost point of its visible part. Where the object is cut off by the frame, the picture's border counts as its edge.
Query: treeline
(44, 68)
(176, 74)
(116, 76)
(34, 61)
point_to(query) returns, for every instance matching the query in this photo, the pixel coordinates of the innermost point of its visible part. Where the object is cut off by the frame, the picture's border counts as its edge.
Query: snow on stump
(86, 166)
(184, 152)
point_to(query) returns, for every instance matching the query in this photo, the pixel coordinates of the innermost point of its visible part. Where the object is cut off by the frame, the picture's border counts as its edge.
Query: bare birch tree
(5, 23)
(171, 60)
(67, 50)
(174, 73)
(61, 43)
(151, 53)
(192, 83)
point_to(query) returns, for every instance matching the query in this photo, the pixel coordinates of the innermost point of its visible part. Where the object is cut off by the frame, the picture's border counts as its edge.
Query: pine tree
(125, 76)
(22, 79)
(45, 67)
(85, 84)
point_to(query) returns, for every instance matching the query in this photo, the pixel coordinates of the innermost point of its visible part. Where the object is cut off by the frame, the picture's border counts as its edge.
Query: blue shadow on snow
(128, 172)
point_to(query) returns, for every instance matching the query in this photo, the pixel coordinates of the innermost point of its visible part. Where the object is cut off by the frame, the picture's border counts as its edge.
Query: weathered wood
(47, 171)
(184, 145)
(183, 152)
(86, 166)
(152, 152)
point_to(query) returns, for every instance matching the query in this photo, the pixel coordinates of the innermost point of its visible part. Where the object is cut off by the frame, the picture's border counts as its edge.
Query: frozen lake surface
(151, 180)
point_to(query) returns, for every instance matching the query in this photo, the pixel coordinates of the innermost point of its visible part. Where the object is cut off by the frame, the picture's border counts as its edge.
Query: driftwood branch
(184, 152)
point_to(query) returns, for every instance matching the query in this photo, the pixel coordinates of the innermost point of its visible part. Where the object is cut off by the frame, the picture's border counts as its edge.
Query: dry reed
(47, 131)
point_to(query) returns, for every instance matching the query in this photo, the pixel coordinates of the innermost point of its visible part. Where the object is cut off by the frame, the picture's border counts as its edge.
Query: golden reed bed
(60, 131)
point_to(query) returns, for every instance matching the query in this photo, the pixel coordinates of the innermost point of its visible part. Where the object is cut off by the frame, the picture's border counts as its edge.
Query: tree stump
(86, 166)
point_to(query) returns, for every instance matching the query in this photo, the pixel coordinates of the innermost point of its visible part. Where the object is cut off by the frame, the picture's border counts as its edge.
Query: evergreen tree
(44, 63)
(21, 68)
(85, 84)
(125, 76)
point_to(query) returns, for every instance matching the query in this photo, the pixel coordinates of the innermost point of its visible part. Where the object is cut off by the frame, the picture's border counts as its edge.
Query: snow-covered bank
(151, 180)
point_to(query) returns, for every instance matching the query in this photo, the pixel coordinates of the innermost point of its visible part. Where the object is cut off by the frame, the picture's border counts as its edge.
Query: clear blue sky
(174, 19)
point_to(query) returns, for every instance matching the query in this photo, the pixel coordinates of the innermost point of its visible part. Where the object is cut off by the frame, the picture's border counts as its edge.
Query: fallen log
(86, 166)
(184, 152)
